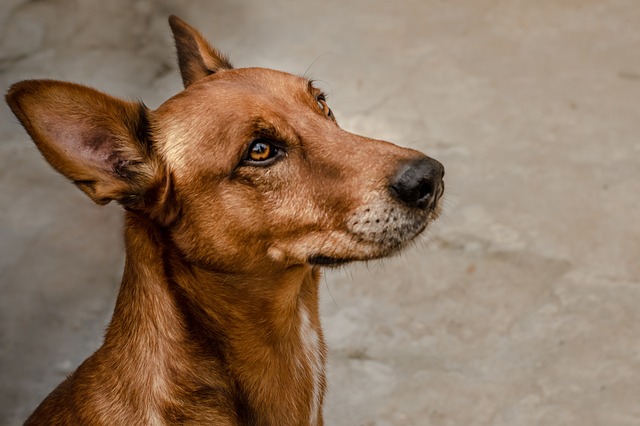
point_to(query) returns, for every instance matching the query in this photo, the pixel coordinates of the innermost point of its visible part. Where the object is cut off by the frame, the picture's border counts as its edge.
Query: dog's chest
(311, 361)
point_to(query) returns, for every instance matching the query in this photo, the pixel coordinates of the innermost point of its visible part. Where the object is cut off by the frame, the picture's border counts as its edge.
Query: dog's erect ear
(99, 142)
(196, 58)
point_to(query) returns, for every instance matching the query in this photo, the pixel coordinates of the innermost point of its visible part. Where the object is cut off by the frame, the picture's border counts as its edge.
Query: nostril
(426, 194)
(426, 189)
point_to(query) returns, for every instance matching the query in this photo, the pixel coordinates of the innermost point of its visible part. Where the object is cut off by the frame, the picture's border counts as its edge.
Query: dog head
(244, 168)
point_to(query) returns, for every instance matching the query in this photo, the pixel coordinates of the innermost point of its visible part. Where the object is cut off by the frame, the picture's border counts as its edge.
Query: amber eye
(322, 104)
(261, 151)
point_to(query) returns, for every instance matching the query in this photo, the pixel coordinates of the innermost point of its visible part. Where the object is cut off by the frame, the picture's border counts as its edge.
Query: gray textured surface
(519, 308)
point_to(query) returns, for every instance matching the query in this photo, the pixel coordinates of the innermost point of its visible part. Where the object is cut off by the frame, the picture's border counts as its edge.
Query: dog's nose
(418, 183)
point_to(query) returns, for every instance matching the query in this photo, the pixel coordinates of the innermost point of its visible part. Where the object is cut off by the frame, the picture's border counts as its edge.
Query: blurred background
(520, 307)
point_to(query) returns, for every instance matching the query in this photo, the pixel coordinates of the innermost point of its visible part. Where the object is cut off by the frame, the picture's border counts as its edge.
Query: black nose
(418, 183)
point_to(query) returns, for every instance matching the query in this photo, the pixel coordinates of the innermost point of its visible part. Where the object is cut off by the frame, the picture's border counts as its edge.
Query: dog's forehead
(268, 81)
(255, 83)
(230, 94)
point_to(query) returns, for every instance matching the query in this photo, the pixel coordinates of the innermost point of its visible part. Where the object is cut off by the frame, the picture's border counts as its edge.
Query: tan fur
(217, 318)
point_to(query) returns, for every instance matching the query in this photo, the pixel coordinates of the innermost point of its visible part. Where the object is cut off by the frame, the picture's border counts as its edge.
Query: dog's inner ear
(99, 142)
(196, 58)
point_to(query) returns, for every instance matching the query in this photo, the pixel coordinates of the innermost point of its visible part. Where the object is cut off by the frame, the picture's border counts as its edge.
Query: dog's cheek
(270, 198)
(220, 230)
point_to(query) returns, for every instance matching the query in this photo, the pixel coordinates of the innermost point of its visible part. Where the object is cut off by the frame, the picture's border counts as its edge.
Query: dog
(236, 192)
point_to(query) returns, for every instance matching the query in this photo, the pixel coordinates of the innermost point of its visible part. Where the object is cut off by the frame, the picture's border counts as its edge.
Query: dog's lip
(321, 260)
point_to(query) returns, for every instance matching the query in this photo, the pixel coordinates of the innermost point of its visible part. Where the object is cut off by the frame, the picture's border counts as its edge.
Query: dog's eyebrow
(259, 125)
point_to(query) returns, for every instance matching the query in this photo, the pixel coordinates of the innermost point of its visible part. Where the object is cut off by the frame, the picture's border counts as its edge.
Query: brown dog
(236, 190)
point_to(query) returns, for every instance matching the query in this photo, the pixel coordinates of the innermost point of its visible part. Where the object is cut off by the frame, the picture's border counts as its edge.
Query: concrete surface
(521, 307)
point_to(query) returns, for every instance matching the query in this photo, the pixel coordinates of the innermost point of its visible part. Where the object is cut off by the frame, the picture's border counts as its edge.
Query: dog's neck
(251, 340)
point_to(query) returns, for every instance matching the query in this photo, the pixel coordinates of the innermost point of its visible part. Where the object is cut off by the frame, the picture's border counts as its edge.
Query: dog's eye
(262, 152)
(322, 104)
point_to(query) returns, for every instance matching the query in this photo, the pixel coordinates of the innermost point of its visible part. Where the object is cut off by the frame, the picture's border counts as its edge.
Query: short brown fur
(217, 318)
